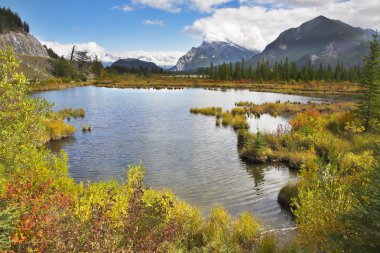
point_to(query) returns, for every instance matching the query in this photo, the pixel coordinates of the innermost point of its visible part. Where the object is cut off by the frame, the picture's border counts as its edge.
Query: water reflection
(184, 152)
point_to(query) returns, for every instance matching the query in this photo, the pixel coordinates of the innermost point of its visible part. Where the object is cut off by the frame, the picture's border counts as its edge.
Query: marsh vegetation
(335, 148)
(55, 125)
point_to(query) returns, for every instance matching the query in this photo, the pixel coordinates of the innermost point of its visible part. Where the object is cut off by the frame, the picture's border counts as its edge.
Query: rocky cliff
(23, 43)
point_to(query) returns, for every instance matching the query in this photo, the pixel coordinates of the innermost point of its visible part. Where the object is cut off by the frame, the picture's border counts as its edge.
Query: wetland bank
(184, 152)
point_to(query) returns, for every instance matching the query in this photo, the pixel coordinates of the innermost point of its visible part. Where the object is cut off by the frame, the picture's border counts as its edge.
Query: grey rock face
(22, 43)
(217, 52)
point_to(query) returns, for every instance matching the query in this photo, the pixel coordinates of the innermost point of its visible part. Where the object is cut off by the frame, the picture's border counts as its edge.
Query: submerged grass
(67, 113)
(207, 111)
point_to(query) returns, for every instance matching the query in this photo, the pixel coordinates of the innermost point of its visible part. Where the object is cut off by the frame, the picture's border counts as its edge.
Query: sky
(164, 30)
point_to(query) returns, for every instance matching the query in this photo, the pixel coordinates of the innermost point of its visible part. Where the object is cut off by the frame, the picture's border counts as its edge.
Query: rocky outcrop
(23, 43)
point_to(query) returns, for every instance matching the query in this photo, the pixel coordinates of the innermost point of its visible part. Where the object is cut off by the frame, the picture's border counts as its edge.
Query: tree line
(282, 71)
(139, 70)
(79, 65)
(11, 21)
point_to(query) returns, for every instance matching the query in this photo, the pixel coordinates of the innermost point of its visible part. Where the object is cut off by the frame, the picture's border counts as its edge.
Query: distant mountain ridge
(135, 64)
(214, 51)
(320, 40)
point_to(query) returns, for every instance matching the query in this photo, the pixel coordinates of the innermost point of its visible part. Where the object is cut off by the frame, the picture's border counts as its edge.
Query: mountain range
(318, 41)
(212, 51)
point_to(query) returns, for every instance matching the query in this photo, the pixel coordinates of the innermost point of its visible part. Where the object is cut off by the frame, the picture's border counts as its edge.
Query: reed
(67, 113)
(207, 111)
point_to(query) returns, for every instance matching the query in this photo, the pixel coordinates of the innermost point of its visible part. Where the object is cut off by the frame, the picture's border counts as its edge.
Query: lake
(183, 152)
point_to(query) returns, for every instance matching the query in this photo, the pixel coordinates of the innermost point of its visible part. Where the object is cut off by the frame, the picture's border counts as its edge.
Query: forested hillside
(11, 21)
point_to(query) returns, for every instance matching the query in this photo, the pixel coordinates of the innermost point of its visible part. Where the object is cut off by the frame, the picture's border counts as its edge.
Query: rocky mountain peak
(213, 50)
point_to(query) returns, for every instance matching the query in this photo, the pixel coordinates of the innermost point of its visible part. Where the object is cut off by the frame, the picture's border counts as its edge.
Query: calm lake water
(183, 152)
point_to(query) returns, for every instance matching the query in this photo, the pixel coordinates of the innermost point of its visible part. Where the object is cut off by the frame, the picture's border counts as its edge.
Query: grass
(313, 137)
(236, 121)
(291, 108)
(67, 113)
(165, 81)
(207, 111)
(57, 129)
(53, 83)
(236, 118)
(287, 194)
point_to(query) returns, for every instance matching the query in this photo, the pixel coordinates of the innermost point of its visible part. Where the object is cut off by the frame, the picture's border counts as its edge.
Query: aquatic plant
(86, 128)
(208, 111)
(57, 129)
(288, 194)
(292, 108)
(67, 113)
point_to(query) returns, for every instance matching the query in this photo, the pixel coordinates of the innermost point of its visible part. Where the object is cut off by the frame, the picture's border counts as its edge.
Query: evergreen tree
(97, 67)
(370, 105)
(11, 21)
(51, 52)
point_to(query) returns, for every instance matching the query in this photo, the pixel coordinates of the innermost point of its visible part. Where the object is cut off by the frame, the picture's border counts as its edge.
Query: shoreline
(320, 91)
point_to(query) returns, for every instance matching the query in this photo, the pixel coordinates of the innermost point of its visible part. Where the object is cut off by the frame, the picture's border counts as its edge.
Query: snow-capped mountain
(212, 50)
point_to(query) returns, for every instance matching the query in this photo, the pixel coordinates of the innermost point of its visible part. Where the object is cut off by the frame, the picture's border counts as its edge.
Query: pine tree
(370, 105)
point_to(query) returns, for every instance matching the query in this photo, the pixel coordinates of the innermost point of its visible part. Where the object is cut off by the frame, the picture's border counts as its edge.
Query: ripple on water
(184, 152)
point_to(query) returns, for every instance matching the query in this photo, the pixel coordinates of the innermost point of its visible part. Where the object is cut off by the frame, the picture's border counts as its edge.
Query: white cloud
(256, 26)
(153, 22)
(161, 58)
(127, 8)
(65, 49)
(176, 6)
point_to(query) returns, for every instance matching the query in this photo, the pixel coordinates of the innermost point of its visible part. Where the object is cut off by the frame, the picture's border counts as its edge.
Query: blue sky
(163, 30)
(81, 21)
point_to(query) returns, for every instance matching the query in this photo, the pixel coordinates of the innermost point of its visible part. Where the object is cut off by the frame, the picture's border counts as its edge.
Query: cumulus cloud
(256, 26)
(176, 6)
(65, 49)
(161, 58)
(153, 22)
